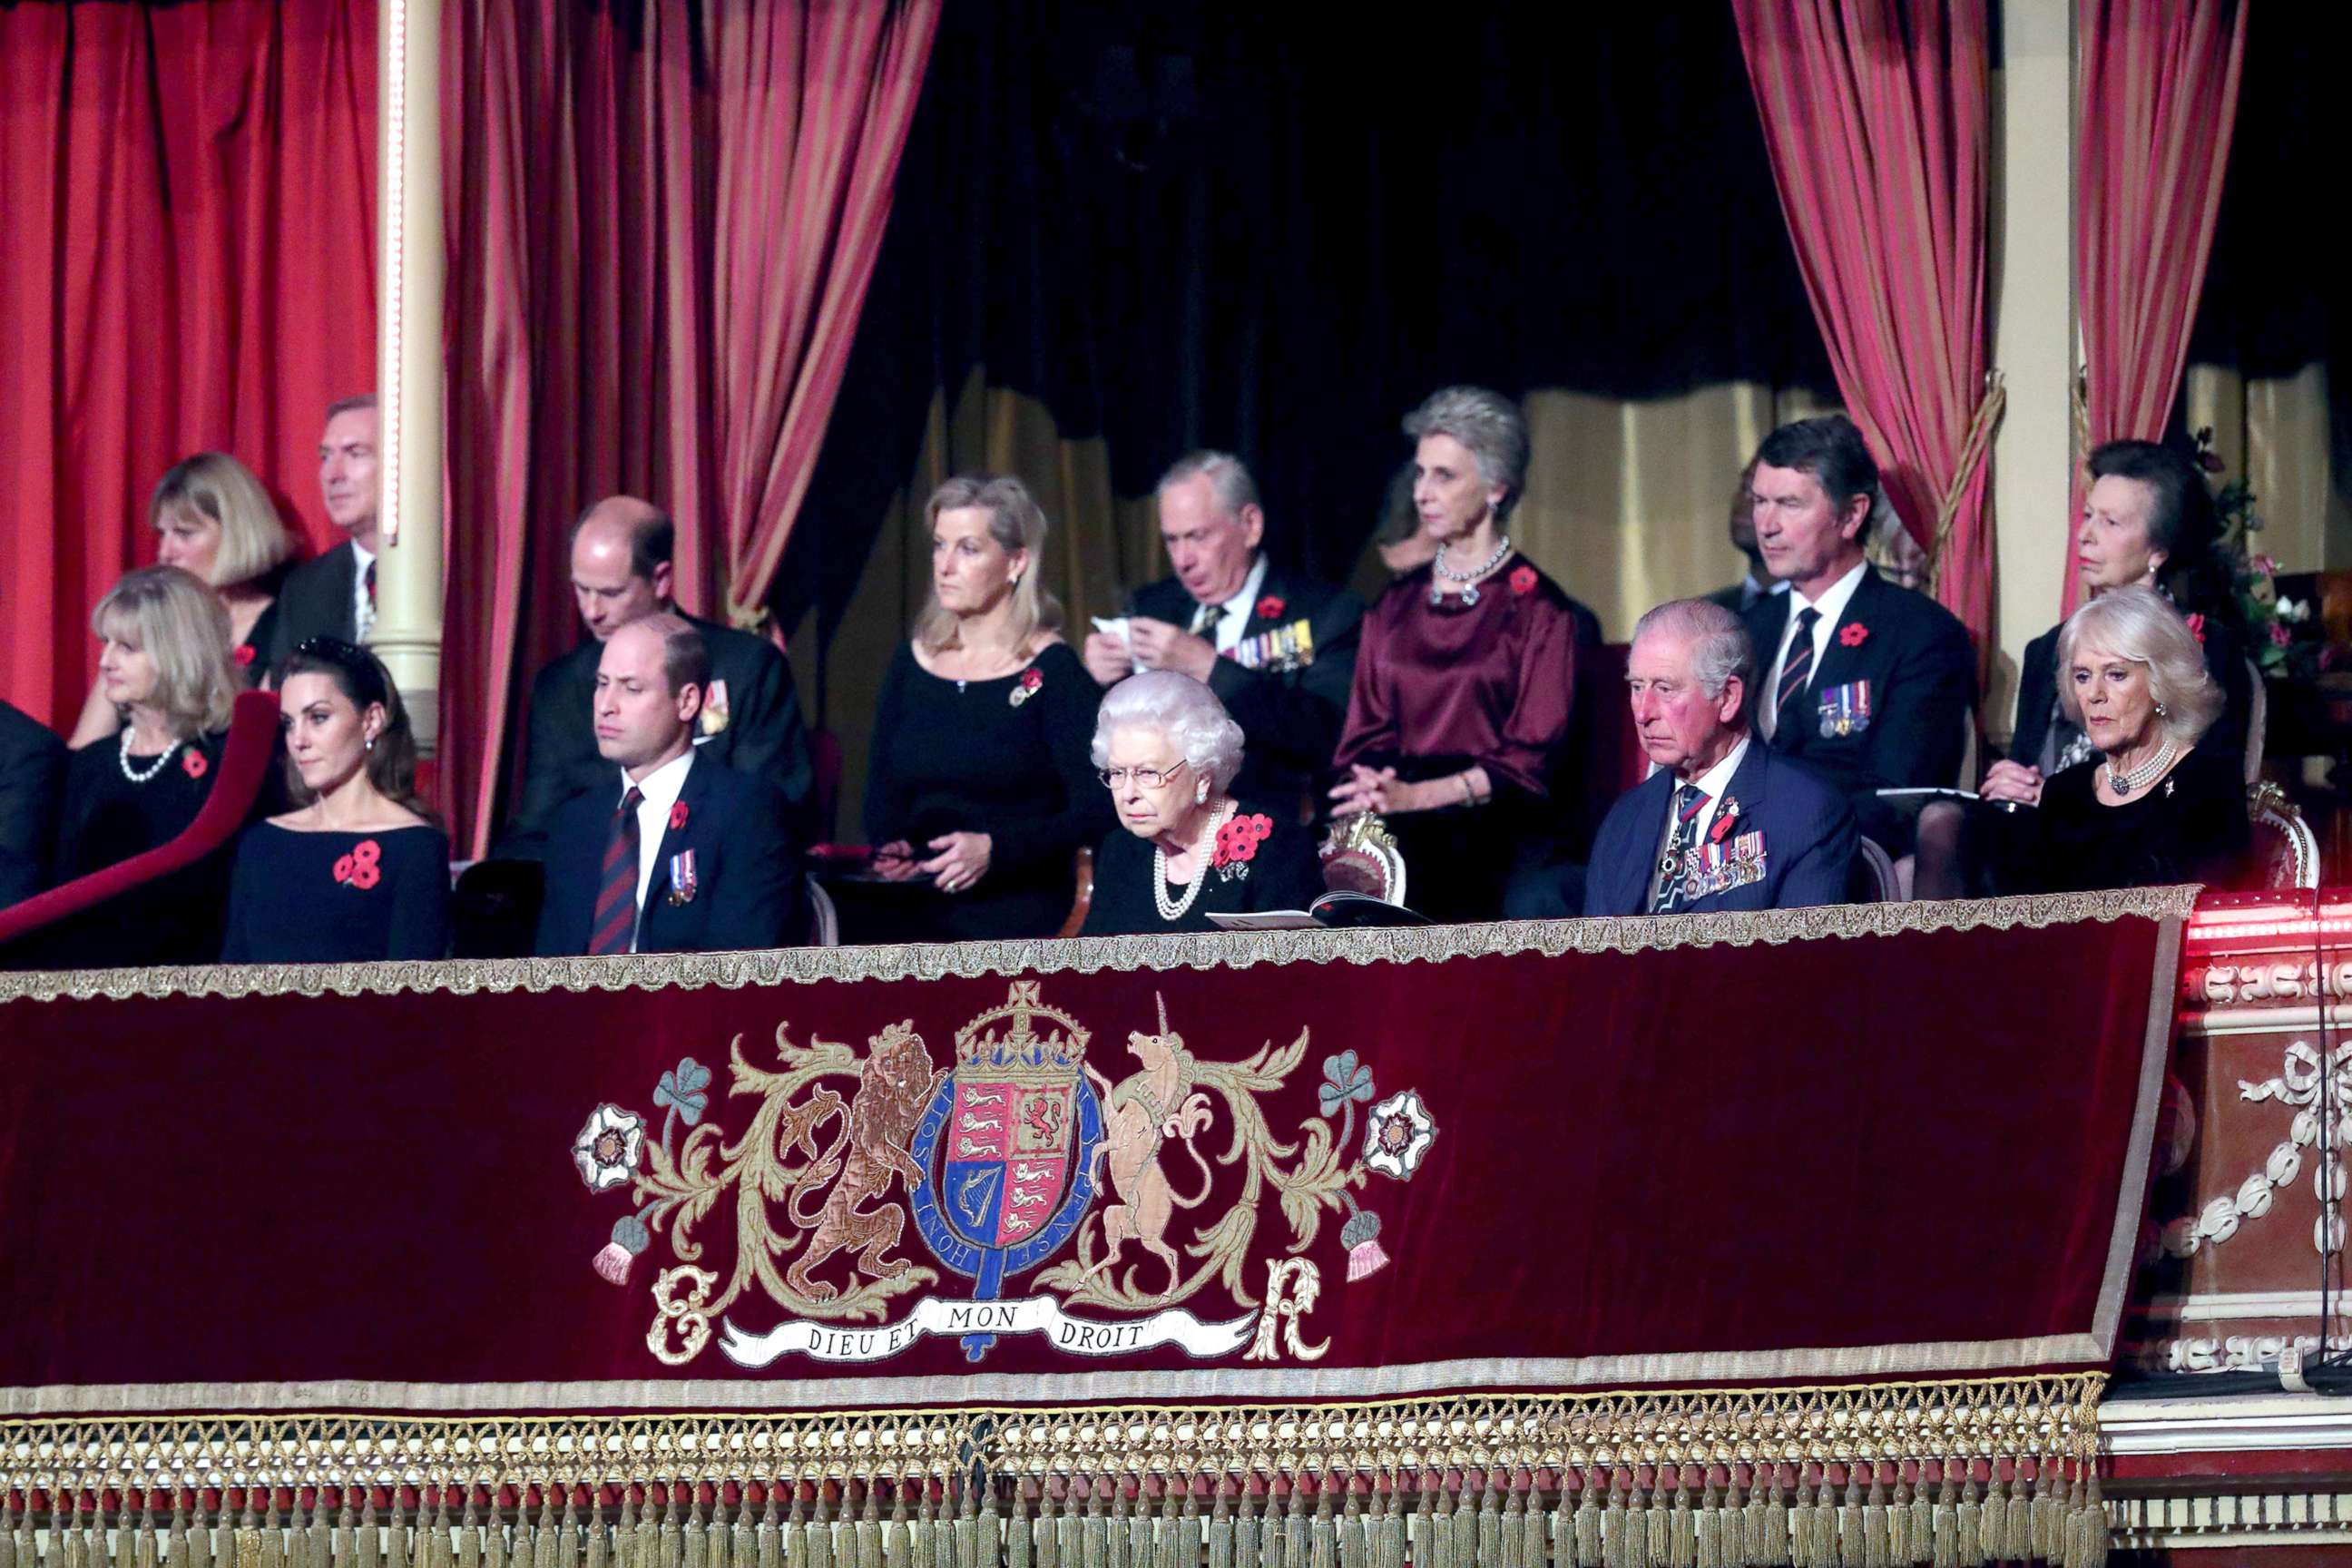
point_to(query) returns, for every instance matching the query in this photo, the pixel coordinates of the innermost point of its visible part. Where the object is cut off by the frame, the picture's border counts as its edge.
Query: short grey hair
(1720, 647)
(1187, 712)
(1489, 423)
(2141, 625)
(1228, 478)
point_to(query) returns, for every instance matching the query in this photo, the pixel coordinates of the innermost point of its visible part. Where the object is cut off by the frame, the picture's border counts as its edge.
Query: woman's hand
(894, 862)
(1378, 790)
(2014, 782)
(962, 861)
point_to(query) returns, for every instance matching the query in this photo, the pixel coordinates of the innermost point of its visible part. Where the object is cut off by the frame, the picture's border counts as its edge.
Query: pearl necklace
(134, 774)
(1469, 594)
(2125, 782)
(1173, 908)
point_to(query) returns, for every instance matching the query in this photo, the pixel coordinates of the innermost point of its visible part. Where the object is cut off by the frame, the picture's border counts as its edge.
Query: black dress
(1281, 873)
(2190, 826)
(1007, 757)
(252, 655)
(327, 898)
(107, 819)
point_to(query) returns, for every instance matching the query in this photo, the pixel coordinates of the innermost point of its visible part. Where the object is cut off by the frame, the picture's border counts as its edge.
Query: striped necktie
(1796, 674)
(1667, 892)
(615, 921)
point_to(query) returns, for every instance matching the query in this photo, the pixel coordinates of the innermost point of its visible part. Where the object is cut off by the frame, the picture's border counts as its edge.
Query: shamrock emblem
(1344, 1079)
(684, 1090)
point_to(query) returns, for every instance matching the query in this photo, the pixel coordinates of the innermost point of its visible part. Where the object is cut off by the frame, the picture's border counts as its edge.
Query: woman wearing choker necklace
(2152, 808)
(1466, 673)
(978, 788)
(357, 874)
(1167, 750)
(164, 667)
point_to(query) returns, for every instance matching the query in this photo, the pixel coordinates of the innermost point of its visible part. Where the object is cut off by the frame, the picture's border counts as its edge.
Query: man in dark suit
(677, 852)
(1869, 685)
(750, 718)
(1279, 651)
(32, 762)
(333, 595)
(1722, 824)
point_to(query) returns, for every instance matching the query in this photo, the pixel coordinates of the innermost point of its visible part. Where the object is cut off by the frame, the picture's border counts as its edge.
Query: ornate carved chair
(2286, 852)
(1360, 856)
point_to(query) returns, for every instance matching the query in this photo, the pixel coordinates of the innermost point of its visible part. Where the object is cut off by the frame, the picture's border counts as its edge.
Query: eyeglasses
(1149, 778)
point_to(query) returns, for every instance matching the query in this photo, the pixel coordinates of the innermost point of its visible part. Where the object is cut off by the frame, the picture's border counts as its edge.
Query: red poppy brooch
(1033, 680)
(677, 817)
(1854, 634)
(359, 868)
(1523, 579)
(1271, 607)
(2197, 628)
(243, 655)
(1237, 843)
(193, 763)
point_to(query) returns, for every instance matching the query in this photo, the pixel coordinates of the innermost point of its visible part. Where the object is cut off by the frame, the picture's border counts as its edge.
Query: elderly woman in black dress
(2150, 806)
(163, 668)
(356, 872)
(978, 788)
(1168, 753)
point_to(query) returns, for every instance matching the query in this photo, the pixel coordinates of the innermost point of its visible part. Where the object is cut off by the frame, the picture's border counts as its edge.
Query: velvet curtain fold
(661, 219)
(2160, 95)
(187, 237)
(1876, 117)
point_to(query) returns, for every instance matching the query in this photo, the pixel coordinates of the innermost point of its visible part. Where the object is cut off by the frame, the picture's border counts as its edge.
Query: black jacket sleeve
(552, 766)
(758, 901)
(32, 762)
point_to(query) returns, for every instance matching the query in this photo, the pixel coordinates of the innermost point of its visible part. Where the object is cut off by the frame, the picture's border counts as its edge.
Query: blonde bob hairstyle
(182, 626)
(1015, 521)
(2141, 626)
(220, 490)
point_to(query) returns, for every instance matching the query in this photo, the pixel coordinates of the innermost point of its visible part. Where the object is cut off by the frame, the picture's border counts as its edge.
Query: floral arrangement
(2271, 617)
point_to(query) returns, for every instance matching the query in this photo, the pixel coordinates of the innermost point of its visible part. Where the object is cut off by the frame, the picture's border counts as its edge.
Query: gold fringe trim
(1221, 950)
(1952, 1474)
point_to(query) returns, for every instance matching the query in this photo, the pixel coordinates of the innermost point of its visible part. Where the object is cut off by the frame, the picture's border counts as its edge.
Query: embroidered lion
(893, 1087)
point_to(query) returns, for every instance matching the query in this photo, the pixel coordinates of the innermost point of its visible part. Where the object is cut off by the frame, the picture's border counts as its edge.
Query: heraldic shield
(1007, 1146)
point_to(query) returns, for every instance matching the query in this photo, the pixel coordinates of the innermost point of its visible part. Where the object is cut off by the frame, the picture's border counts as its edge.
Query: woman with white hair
(1466, 672)
(978, 785)
(1168, 753)
(2151, 806)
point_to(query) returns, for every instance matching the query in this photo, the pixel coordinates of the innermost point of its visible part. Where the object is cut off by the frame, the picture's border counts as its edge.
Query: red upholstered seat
(251, 749)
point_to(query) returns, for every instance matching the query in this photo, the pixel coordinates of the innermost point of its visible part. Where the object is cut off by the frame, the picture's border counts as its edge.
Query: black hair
(1831, 449)
(360, 676)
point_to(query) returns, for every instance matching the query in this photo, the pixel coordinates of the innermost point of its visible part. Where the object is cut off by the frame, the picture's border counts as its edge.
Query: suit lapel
(677, 837)
(1632, 894)
(1842, 662)
(1270, 586)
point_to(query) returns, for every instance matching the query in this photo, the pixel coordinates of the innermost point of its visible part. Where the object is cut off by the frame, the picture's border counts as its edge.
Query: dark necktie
(1796, 674)
(367, 615)
(615, 921)
(1667, 892)
(1210, 615)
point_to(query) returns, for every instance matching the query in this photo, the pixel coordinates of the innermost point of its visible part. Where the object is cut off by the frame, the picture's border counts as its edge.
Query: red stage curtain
(661, 223)
(187, 233)
(1876, 115)
(2159, 101)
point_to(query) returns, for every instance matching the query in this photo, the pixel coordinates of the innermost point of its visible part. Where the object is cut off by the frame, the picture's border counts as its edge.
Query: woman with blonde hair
(980, 784)
(213, 520)
(2150, 806)
(164, 666)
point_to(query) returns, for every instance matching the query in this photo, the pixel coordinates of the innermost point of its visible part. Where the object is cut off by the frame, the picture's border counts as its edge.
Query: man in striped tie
(680, 854)
(1722, 824)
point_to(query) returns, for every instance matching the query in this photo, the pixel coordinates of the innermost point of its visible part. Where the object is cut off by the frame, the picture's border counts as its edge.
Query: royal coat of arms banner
(1736, 1178)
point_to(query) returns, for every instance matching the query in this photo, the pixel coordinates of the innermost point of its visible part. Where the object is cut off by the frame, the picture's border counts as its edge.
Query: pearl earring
(1200, 793)
(2159, 711)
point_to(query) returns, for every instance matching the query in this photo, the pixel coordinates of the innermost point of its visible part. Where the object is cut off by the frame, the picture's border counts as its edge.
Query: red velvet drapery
(187, 233)
(1876, 116)
(661, 223)
(2159, 101)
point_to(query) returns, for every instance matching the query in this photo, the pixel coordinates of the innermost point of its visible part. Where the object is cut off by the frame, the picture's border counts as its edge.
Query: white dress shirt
(661, 788)
(363, 605)
(1831, 604)
(1227, 634)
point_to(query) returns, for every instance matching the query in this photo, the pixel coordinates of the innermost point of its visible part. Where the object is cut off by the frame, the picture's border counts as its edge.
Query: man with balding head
(673, 852)
(750, 717)
(1722, 824)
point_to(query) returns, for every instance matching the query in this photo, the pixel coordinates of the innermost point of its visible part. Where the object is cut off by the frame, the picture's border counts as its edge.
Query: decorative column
(407, 633)
(2034, 332)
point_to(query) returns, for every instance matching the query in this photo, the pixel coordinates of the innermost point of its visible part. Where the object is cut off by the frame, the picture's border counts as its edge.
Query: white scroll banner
(940, 1315)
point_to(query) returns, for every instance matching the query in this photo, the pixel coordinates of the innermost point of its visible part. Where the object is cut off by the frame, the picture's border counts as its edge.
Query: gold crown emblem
(1023, 1033)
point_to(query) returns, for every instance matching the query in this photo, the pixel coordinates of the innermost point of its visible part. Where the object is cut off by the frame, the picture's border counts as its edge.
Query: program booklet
(1338, 910)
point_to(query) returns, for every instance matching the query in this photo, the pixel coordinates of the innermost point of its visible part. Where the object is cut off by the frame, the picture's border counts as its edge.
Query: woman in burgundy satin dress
(1463, 684)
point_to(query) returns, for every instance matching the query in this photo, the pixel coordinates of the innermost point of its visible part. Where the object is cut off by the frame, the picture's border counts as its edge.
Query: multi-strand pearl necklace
(1173, 908)
(134, 774)
(2125, 783)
